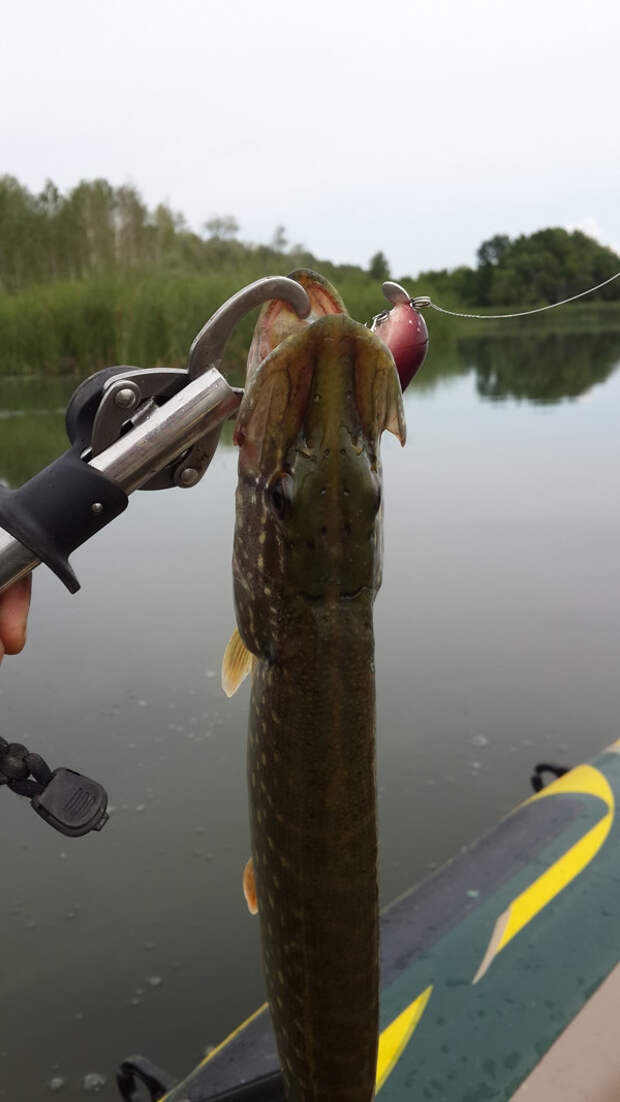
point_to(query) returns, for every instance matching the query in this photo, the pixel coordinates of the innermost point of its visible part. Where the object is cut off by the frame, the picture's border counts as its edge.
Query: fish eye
(280, 493)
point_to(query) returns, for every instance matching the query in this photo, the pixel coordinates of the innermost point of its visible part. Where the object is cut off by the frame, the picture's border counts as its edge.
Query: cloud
(591, 227)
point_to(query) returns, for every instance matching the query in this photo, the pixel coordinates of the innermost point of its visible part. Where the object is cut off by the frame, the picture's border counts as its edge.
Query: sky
(417, 128)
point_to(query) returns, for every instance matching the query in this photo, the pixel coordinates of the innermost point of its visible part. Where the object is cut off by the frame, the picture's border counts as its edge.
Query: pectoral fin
(249, 888)
(394, 416)
(379, 397)
(237, 663)
(378, 389)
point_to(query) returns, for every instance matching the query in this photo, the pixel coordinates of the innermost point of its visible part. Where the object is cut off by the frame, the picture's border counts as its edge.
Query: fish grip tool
(129, 429)
(69, 501)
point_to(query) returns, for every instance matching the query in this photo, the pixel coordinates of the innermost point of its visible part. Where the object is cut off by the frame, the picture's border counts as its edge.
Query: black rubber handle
(59, 509)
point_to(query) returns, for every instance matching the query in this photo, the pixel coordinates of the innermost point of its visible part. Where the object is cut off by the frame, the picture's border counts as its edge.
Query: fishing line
(424, 300)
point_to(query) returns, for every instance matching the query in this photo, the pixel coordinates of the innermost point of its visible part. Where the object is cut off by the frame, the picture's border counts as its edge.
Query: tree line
(96, 229)
(537, 269)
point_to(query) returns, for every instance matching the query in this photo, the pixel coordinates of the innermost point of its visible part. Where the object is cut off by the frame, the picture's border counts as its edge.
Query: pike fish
(306, 569)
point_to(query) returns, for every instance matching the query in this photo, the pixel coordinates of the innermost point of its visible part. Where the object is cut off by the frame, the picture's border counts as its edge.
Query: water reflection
(538, 367)
(32, 425)
(541, 368)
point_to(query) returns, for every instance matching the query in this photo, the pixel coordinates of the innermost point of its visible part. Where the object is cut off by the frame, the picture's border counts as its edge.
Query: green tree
(223, 227)
(378, 267)
(92, 217)
(279, 241)
(492, 251)
(21, 220)
(130, 221)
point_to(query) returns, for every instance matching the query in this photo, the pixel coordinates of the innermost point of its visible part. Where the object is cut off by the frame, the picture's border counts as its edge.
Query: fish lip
(323, 299)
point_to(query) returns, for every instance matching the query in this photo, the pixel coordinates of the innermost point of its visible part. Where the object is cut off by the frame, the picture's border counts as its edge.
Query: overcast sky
(418, 128)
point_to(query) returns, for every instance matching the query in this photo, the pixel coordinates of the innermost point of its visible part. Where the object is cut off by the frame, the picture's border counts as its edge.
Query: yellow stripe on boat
(585, 780)
(222, 1044)
(392, 1041)
(395, 1036)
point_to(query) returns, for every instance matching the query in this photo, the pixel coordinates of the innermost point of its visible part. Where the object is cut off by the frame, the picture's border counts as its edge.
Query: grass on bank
(149, 320)
(77, 327)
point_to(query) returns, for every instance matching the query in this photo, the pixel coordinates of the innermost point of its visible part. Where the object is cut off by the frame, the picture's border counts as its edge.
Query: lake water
(498, 637)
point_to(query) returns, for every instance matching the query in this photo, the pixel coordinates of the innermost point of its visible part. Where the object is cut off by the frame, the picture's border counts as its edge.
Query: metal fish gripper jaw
(130, 398)
(130, 428)
(208, 346)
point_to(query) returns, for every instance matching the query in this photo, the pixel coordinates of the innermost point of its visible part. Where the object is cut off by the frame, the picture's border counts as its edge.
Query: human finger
(14, 606)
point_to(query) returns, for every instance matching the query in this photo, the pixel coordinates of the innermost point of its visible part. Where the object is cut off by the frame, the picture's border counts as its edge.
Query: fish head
(309, 496)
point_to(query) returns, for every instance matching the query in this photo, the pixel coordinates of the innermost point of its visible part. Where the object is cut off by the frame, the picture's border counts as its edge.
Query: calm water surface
(498, 635)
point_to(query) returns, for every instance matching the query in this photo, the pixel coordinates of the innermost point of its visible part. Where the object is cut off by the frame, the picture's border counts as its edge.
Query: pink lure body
(404, 332)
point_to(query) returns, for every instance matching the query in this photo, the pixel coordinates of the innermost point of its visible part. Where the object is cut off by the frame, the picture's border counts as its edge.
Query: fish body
(306, 569)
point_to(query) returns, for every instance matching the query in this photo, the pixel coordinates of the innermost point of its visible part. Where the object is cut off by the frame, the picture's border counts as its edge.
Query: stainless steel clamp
(129, 429)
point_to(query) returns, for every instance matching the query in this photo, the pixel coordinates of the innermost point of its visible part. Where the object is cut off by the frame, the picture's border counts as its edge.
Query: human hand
(14, 605)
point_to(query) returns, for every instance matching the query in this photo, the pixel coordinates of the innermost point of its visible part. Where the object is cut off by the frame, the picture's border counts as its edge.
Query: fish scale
(313, 828)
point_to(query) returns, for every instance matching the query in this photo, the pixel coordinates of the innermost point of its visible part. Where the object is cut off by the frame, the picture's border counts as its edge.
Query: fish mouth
(277, 320)
(314, 375)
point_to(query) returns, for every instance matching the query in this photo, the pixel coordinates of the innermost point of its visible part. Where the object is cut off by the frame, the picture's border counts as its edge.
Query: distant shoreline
(76, 327)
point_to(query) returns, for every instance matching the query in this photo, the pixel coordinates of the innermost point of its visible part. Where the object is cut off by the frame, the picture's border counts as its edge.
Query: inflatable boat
(499, 973)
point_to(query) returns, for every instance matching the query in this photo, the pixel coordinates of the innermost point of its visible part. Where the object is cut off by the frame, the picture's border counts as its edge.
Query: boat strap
(138, 1071)
(267, 1088)
(537, 779)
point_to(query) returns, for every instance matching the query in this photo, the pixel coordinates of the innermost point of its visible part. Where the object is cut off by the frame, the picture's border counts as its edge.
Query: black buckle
(72, 803)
